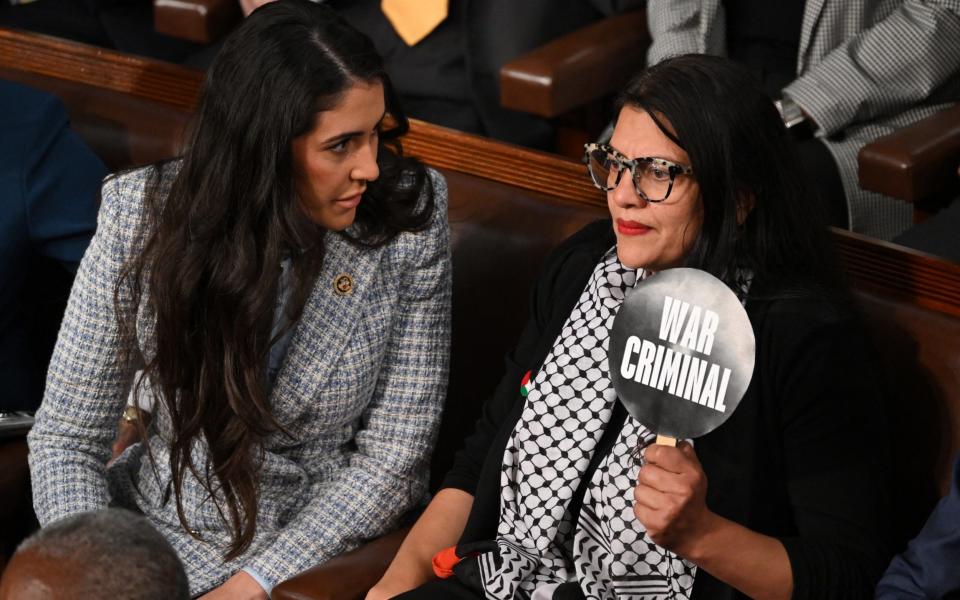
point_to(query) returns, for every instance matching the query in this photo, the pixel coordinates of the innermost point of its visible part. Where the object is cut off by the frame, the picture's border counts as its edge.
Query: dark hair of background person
(740, 151)
(215, 242)
(109, 553)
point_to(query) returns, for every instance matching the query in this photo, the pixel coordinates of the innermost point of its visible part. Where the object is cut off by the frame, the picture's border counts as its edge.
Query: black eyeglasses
(652, 177)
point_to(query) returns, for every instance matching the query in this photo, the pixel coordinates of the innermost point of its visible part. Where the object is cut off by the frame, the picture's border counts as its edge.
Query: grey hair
(119, 553)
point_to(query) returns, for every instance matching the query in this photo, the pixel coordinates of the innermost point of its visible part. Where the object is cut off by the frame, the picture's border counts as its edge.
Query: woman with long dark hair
(548, 499)
(285, 289)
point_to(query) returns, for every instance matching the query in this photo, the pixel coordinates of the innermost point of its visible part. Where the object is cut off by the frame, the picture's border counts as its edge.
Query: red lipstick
(625, 227)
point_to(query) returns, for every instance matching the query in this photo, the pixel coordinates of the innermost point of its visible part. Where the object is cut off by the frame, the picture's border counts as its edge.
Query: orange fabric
(413, 20)
(444, 562)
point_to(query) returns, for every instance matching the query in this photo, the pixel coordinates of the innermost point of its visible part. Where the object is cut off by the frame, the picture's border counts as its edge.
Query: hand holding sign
(670, 498)
(681, 353)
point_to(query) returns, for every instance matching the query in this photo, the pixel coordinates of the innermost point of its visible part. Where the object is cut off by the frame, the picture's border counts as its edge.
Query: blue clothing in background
(49, 185)
(930, 566)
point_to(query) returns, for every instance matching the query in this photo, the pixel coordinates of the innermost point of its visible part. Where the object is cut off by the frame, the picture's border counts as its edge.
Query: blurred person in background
(845, 72)
(49, 189)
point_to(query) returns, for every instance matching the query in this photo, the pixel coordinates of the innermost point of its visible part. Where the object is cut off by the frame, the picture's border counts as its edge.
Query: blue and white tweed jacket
(361, 389)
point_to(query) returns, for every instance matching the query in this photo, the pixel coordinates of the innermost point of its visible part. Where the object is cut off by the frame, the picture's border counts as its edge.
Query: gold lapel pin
(343, 284)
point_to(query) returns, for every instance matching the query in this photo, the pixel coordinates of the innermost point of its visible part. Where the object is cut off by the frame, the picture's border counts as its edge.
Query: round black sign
(681, 352)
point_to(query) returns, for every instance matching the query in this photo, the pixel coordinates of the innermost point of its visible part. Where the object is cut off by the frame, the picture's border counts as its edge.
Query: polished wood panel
(482, 157)
(899, 273)
(153, 80)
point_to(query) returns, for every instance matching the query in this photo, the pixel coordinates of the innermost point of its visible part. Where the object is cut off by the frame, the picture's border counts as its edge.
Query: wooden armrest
(915, 162)
(346, 577)
(201, 21)
(577, 68)
(16, 509)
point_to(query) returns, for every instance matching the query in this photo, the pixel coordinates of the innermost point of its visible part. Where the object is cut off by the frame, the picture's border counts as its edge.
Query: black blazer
(802, 459)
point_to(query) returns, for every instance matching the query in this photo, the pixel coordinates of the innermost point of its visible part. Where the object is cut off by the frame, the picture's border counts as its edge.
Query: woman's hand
(670, 501)
(439, 527)
(670, 498)
(239, 587)
(127, 435)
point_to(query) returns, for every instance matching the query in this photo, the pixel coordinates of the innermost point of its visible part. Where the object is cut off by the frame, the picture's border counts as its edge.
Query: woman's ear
(745, 202)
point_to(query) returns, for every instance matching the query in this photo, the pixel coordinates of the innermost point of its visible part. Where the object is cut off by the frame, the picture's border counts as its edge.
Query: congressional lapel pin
(343, 284)
(681, 353)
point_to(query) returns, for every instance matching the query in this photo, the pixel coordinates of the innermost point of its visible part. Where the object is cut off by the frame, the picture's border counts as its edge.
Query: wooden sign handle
(665, 440)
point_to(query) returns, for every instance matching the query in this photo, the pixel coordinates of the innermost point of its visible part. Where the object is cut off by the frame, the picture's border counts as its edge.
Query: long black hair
(214, 242)
(742, 157)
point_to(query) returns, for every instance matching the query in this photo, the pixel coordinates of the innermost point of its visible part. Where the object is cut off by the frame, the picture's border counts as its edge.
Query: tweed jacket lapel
(328, 321)
(812, 11)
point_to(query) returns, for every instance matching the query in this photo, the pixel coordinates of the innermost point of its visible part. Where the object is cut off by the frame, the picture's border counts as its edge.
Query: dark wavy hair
(214, 243)
(740, 152)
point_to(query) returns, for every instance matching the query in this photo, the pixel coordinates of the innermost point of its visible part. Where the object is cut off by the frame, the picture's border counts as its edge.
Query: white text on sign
(680, 374)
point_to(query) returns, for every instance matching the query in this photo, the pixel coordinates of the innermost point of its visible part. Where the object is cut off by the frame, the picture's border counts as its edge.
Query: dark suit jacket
(49, 184)
(452, 76)
(930, 567)
(802, 459)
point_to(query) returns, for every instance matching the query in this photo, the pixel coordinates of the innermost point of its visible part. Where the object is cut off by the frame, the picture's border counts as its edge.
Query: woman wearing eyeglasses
(785, 500)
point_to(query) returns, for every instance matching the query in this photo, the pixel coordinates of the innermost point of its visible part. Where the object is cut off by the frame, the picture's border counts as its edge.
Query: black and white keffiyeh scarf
(567, 410)
(614, 558)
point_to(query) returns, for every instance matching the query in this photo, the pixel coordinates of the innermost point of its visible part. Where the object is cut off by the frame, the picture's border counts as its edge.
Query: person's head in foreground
(700, 173)
(109, 553)
(291, 141)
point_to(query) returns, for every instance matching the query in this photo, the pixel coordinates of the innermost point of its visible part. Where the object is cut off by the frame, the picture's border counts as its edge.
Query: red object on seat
(444, 562)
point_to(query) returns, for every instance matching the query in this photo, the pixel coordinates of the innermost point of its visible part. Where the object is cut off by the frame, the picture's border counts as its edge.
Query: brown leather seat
(499, 238)
(920, 353)
(917, 163)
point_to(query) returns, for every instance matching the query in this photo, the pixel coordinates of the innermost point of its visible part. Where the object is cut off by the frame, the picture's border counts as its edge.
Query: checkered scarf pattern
(566, 412)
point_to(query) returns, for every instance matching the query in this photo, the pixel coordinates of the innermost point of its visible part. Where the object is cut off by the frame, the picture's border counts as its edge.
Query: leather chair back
(499, 239)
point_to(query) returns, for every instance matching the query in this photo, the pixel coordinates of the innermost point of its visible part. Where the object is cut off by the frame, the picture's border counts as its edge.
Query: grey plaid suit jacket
(864, 69)
(361, 389)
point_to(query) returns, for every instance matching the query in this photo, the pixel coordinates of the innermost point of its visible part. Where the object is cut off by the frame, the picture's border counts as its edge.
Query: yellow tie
(414, 19)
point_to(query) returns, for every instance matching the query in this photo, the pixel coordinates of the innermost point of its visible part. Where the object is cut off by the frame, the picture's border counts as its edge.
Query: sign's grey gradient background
(734, 348)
